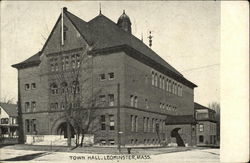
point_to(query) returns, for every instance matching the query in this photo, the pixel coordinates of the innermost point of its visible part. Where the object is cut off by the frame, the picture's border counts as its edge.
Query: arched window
(54, 89)
(163, 83)
(64, 87)
(153, 78)
(160, 81)
(75, 87)
(156, 79)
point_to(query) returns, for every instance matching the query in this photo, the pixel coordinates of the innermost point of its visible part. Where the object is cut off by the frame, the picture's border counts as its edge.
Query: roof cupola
(124, 22)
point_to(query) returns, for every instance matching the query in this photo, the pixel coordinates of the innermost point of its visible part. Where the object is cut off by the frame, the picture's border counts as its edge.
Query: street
(9, 153)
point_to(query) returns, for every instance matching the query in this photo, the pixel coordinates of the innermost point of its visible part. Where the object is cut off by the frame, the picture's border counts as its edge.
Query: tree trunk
(82, 138)
(69, 134)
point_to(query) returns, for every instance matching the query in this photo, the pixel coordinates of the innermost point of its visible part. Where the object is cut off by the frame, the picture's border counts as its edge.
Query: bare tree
(8, 100)
(216, 107)
(78, 97)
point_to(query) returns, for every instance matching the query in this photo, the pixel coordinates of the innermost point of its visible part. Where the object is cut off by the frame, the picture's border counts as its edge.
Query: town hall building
(138, 92)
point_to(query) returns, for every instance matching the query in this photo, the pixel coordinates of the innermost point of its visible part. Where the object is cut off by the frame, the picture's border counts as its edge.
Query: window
(103, 142)
(27, 106)
(62, 106)
(103, 122)
(66, 63)
(201, 127)
(136, 123)
(54, 89)
(111, 99)
(56, 105)
(52, 68)
(75, 87)
(27, 124)
(102, 99)
(56, 67)
(111, 76)
(163, 83)
(160, 81)
(156, 79)
(111, 142)
(73, 64)
(33, 106)
(153, 78)
(111, 122)
(201, 138)
(153, 124)
(33, 86)
(167, 85)
(102, 77)
(146, 103)
(160, 105)
(144, 124)
(77, 60)
(64, 87)
(136, 102)
(34, 125)
(131, 100)
(163, 106)
(5, 121)
(132, 122)
(27, 87)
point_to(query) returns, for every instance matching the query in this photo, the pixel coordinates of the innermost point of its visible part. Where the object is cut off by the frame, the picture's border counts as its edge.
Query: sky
(185, 34)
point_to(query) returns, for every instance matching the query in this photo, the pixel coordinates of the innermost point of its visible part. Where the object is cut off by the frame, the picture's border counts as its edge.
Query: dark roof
(32, 61)
(200, 107)
(180, 119)
(11, 109)
(103, 33)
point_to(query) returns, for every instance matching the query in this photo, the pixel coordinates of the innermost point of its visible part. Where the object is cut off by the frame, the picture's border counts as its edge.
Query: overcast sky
(185, 34)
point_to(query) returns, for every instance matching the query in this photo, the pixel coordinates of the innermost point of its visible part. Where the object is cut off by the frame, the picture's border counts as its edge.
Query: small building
(8, 123)
(206, 125)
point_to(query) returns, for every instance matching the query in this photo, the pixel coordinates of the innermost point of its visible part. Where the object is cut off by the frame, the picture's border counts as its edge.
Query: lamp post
(118, 119)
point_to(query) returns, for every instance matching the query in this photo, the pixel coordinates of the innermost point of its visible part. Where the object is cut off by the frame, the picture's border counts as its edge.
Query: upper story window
(33, 106)
(33, 85)
(64, 87)
(153, 78)
(136, 102)
(54, 89)
(163, 83)
(156, 79)
(102, 77)
(27, 106)
(131, 100)
(111, 76)
(27, 86)
(146, 103)
(111, 122)
(102, 98)
(77, 60)
(75, 87)
(5, 121)
(201, 127)
(111, 99)
(103, 122)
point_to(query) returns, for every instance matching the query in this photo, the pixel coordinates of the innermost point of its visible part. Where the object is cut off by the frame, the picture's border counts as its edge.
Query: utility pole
(118, 119)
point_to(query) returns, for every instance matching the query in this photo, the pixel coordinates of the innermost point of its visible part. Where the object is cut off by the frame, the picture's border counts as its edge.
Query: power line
(202, 67)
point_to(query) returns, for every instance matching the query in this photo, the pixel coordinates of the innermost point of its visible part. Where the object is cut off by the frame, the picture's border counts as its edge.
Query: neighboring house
(151, 90)
(206, 125)
(8, 124)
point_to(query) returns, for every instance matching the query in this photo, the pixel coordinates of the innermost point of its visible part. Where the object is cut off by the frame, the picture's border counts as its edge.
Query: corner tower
(124, 22)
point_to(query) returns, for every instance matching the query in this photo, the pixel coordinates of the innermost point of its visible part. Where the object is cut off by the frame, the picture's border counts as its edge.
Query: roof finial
(100, 8)
(123, 11)
(150, 39)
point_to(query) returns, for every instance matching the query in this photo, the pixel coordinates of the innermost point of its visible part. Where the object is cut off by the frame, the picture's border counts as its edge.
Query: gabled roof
(180, 119)
(102, 33)
(201, 107)
(10, 109)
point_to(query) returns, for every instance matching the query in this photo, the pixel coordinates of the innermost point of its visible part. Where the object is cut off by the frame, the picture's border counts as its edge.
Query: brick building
(151, 90)
(206, 125)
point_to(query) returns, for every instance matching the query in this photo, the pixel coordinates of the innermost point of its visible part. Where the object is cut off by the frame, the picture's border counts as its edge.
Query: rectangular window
(111, 76)
(33, 86)
(4, 121)
(27, 122)
(52, 67)
(103, 142)
(160, 81)
(111, 142)
(111, 122)
(33, 106)
(27, 106)
(102, 77)
(103, 122)
(163, 83)
(148, 123)
(27, 86)
(153, 125)
(102, 99)
(132, 122)
(144, 124)
(111, 99)
(136, 123)
(201, 127)
(34, 125)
